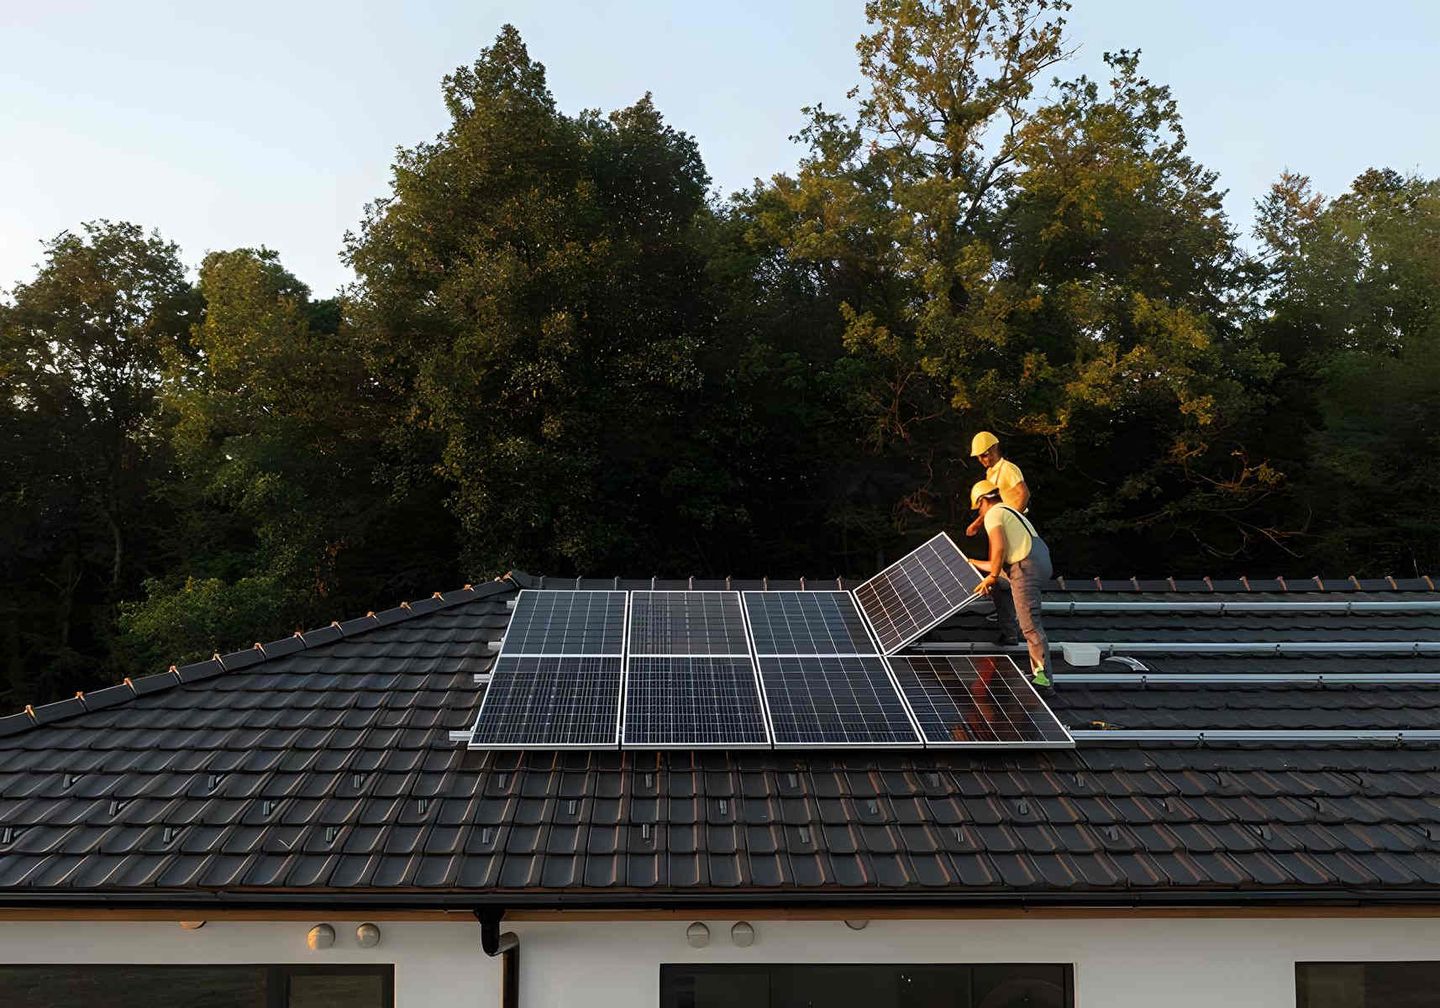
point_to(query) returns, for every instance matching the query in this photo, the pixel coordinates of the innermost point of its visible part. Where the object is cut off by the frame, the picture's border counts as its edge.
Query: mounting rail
(1220, 608)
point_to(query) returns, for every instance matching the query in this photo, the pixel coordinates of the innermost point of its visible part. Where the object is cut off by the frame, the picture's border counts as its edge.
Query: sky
(269, 123)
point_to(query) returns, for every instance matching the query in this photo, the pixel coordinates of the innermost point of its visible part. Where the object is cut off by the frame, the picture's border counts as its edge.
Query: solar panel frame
(747, 655)
(918, 629)
(505, 640)
(1015, 683)
(873, 653)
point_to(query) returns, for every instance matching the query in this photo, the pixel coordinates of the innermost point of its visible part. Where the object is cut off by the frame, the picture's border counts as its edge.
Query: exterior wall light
(743, 934)
(321, 936)
(367, 936)
(857, 925)
(192, 925)
(697, 935)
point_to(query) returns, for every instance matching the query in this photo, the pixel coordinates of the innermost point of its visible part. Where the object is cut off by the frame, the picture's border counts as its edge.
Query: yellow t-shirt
(1006, 476)
(1015, 529)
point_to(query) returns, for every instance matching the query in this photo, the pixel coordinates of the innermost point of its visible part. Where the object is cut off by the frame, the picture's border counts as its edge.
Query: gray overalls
(1017, 596)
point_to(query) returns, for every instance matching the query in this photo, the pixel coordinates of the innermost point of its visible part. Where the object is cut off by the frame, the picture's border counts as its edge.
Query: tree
(277, 431)
(1354, 313)
(532, 290)
(81, 352)
(1055, 269)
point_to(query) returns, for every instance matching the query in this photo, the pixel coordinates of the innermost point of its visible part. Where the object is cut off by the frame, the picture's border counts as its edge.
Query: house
(1249, 817)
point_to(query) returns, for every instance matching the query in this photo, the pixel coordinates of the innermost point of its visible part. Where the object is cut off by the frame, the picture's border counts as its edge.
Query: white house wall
(1132, 963)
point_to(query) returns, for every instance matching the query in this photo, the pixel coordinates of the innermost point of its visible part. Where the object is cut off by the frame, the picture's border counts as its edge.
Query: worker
(999, 470)
(1016, 569)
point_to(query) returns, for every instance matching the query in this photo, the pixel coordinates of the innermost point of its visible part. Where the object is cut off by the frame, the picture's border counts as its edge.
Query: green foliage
(276, 428)
(533, 291)
(81, 348)
(1057, 270)
(190, 620)
(1354, 311)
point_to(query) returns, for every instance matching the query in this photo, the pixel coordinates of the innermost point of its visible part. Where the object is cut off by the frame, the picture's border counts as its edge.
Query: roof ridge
(301, 640)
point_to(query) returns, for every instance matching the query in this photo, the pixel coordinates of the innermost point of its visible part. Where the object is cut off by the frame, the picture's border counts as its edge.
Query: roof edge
(1400, 899)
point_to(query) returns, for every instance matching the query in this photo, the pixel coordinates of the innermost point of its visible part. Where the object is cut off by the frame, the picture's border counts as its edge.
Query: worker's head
(985, 447)
(983, 496)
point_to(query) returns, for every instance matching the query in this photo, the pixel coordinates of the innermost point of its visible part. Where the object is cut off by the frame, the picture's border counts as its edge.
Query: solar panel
(566, 622)
(834, 701)
(687, 623)
(693, 702)
(557, 681)
(976, 701)
(806, 622)
(917, 592)
(554, 702)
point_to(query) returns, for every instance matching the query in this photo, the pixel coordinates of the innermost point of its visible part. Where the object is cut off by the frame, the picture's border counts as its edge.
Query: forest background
(563, 353)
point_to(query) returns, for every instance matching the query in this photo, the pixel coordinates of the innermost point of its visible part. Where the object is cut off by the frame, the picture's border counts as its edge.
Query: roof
(321, 768)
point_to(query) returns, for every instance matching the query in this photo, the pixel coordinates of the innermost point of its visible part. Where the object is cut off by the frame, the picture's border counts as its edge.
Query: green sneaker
(1040, 679)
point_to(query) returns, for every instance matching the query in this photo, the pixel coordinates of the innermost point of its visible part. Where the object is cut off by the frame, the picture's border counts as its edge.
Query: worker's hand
(987, 584)
(973, 527)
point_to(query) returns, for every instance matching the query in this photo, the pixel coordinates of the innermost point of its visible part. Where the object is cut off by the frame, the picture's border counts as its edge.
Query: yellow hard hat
(982, 442)
(980, 490)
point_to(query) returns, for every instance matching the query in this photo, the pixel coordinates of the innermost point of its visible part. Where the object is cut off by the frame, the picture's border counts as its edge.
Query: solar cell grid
(806, 623)
(566, 622)
(834, 701)
(917, 592)
(687, 623)
(976, 701)
(693, 702)
(554, 702)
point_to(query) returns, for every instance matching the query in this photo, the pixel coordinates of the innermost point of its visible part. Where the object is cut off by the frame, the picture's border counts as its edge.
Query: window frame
(277, 975)
(670, 973)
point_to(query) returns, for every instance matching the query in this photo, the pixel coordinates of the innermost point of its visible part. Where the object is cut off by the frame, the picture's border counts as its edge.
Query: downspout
(507, 947)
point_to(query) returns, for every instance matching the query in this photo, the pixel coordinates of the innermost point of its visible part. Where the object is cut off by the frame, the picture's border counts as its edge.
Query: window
(866, 986)
(86, 986)
(1366, 985)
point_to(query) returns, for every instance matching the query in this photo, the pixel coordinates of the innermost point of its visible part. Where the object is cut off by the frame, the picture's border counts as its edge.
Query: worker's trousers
(1017, 601)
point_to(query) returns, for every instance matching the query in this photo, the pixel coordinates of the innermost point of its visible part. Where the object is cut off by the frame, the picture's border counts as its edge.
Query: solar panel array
(917, 592)
(725, 669)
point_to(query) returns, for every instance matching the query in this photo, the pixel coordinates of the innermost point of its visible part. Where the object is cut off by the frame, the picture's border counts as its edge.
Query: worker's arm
(1018, 496)
(974, 526)
(996, 563)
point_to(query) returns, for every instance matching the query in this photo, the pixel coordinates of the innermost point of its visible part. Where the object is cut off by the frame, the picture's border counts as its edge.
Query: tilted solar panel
(806, 622)
(976, 701)
(550, 702)
(693, 702)
(917, 592)
(834, 700)
(687, 623)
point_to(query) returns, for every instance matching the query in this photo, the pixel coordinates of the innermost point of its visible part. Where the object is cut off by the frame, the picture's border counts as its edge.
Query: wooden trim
(228, 914)
(872, 913)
